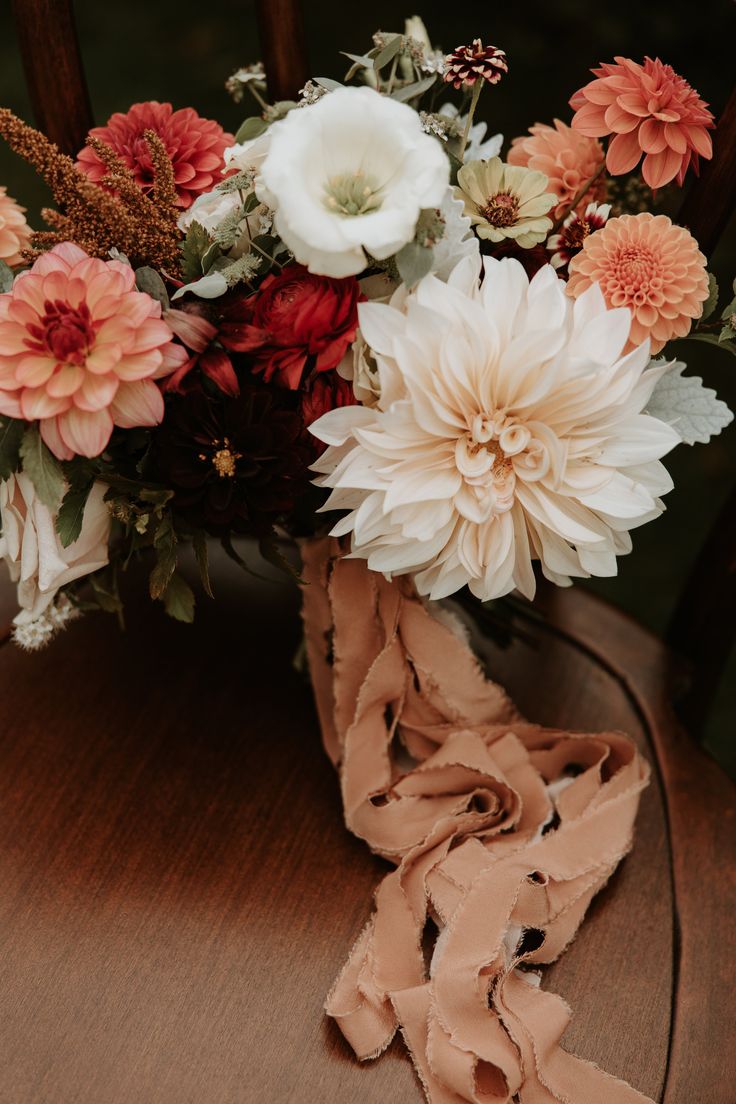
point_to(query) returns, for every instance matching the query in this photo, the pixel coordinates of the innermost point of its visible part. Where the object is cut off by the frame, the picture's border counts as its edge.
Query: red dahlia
(467, 64)
(295, 320)
(195, 146)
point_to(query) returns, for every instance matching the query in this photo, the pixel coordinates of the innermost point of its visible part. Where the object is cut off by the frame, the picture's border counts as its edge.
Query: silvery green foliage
(694, 411)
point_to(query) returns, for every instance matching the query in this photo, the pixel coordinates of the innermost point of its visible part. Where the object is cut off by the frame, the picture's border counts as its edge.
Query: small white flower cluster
(434, 61)
(34, 635)
(310, 93)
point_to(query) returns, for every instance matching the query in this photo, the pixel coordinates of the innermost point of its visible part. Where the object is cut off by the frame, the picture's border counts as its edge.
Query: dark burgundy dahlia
(235, 464)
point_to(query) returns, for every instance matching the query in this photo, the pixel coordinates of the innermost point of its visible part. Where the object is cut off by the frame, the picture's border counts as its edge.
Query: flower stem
(257, 96)
(578, 196)
(477, 88)
(392, 75)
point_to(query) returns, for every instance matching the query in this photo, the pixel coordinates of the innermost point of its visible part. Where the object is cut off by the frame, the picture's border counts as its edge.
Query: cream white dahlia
(349, 175)
(509, 428)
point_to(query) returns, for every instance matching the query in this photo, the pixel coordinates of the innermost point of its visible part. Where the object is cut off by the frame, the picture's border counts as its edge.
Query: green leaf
(388, 53)
(210, 255)
(164, 544)
(199, 542)
(409, 91)
(193, 248)
(711, 339)
(71, 515)
(269, 549)
(42, 468)
(105, 586)
(148, 280)
(253, 127)
(7, 276)
(413, 262)
(712, 301)
(179, 599)
(360, 61)
(11, 435)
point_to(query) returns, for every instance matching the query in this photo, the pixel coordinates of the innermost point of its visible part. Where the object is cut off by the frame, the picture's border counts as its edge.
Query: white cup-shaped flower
(349, 175)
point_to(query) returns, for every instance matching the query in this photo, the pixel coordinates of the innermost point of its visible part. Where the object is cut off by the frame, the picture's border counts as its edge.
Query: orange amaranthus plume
(112, 214)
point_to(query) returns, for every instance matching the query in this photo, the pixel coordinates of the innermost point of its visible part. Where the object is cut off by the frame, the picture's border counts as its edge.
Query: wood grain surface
(177, 890)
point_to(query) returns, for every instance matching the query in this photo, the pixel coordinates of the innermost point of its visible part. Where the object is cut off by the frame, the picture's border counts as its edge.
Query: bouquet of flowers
(357, 319)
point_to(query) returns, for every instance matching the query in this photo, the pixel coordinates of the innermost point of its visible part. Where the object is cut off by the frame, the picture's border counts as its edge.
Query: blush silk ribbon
(495, 838)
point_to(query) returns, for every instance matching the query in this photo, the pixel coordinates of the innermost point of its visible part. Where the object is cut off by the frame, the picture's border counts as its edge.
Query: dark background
(183, 52)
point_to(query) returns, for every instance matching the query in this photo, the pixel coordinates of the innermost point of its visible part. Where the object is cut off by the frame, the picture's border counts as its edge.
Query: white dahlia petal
(513, 429)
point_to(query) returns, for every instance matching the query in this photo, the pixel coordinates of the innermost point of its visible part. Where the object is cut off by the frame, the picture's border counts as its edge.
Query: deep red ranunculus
(327, 392)
(295, 317)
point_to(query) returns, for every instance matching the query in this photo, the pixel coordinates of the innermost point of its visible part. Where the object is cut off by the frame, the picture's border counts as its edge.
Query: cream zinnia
(509, 428)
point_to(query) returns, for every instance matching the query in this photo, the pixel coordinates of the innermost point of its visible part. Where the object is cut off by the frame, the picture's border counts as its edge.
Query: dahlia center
(576, 233)
(67, 332)
(636, 266)
(223, 458)
(501, 209)
(351, 194)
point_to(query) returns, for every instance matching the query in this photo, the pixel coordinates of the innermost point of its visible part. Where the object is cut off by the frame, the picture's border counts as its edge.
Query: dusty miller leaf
(42, 468)
(691, 409)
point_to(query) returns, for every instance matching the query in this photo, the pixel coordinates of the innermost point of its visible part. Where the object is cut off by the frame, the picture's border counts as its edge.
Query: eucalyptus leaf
(71, 514)
(11, 435)
(7, 276)
(148, 280)
(414, 261)
(388, 53)
(42, 468)
(179, 599)
(252, 128)
(409, 91)
(328, 83)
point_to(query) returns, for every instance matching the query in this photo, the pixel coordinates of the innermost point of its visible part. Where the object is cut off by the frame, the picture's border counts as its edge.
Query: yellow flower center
(501, 209)
(224, 459)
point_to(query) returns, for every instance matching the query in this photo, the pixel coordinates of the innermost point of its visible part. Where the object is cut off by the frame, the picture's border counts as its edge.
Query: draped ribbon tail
(501, 833)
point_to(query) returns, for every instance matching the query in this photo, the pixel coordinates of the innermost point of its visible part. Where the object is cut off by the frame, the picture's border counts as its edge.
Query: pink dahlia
(567, 158)
(80, 349)
(646, 263)
(15, 233)
(650, 110)
(196, 147)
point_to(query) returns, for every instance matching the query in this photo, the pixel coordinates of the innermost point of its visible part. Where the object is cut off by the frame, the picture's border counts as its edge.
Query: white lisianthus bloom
(36, 559)
(349, 175)
(510, 429)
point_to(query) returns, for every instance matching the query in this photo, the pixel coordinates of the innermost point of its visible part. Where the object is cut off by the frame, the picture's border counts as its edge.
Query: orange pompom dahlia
(646, 263)
(195, 145)
(567, 158)
(15, 233)
(650, 111)
(80, 349)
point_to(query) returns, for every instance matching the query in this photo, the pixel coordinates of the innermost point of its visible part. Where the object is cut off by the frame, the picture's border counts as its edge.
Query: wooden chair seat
(177, 889)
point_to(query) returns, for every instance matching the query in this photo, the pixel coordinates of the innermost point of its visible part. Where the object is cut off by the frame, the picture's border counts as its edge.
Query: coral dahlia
(195, 145)
(650, 110)
(646, 263)
(510, 427)
(567, 158)
(15, 233)
(80, 349)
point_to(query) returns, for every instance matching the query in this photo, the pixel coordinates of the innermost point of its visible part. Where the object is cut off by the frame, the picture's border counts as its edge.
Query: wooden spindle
(712, 197)
(283, 46)
(53, 67)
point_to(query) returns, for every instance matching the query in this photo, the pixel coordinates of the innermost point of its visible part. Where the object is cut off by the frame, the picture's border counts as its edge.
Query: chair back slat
(53, 68)
(283, 46)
